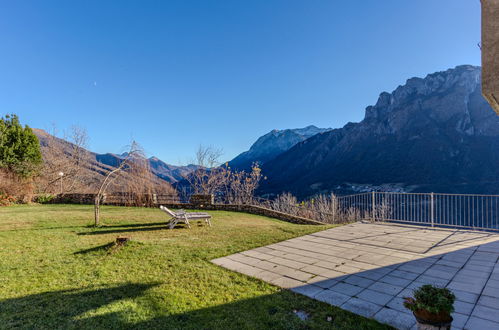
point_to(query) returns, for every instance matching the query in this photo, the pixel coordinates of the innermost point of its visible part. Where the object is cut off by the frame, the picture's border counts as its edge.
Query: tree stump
(122, 240)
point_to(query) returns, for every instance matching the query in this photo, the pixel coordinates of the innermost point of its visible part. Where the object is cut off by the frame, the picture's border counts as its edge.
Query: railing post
(374, 205)
(432, 209)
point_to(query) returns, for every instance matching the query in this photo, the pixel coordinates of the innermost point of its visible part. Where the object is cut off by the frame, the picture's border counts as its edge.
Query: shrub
(44, 198)
(431, 299)
(6, 200)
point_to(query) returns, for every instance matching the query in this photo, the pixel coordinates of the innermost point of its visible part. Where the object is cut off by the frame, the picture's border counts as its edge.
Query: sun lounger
(182, 216)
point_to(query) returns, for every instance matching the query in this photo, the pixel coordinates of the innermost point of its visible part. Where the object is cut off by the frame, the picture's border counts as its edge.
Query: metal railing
(432, 209)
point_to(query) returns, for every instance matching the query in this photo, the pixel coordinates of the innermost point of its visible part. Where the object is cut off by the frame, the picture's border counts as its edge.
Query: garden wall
(198, 202)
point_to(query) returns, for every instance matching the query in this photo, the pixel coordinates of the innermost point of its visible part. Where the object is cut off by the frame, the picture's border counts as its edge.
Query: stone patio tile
(358, 281)
(473, 274)
(404, 274)
(466, 296)
(396, 319)
(263, 249)
(348, 269)
(322, 282)
(457, 264)
(490, 291)
(395, 280)
(412, 268)
(241, 268)
(468, 287)
(486, 313)
(493, 283)
(244, 259)
(371, 274)
(402, 321)
(277, 253)
(361, 307)
(308, 290)
(454, 257)
(390, 260)
(386, 288)
(332, 297)
(362, 265)
(299, 258)
(492, 302)
(484, 256)
(386, 258)
(425, 279)
(287, 262)
(478, 268)
(335, 259)
(219, 261)
(470, 279)
(397, 303)
(266, 265)
(305, 253)
(327, 264)
(258, 255)
(293, 273)
(267, 276)
(286, 282)
(479, 324)
(463, 307)
(322, 271)
(459, 320)
(350, 254)
(403, 255)
(346, 288)
(375, 297)
(446, 275)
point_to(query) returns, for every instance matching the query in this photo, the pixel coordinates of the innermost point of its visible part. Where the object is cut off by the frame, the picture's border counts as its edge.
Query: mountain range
(432, 134)
(272, 144)
(63, 156)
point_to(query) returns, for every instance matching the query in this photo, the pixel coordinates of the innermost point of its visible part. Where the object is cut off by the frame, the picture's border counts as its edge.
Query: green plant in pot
(431, 306)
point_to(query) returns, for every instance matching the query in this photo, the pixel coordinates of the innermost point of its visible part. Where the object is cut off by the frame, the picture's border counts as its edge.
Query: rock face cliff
(431, 134)
(273, 144)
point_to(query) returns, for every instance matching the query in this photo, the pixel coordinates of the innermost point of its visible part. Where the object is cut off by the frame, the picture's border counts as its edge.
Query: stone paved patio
(367, 269)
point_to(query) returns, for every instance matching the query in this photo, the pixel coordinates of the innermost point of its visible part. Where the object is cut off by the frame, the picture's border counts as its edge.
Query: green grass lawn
(56, 271)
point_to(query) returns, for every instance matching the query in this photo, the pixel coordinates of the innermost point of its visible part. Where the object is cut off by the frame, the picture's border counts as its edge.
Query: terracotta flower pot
(427, 320)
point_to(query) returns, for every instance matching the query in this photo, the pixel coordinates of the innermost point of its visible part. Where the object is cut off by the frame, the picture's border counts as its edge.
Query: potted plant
(432, 307)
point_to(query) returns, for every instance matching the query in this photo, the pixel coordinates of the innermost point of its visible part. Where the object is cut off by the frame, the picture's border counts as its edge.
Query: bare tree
(212, 177)
(209, 177)
(240, 186)
(134, 152)
(65, 160)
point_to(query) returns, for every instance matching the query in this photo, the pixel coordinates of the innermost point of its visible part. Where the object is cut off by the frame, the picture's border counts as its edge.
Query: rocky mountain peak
(429, 134)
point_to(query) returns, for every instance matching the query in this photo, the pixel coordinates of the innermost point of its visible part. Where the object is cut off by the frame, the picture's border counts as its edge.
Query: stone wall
(490, 52)
(200, 202)
(252, 209)
(198, 199)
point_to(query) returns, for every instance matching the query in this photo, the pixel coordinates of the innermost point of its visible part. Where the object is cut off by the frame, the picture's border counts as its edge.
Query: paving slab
(367, 268)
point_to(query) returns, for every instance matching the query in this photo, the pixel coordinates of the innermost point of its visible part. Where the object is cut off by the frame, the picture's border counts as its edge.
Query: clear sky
(176, 74)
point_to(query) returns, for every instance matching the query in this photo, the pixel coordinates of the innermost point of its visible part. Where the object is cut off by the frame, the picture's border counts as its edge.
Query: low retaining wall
(252, 209)
(199, 203)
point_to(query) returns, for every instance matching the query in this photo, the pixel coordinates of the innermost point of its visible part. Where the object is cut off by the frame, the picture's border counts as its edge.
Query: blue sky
(176, 74)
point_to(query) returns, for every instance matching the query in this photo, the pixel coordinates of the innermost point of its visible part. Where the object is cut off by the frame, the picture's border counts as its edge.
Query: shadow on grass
(136, 228)
(60, 309)
(149, 224)
(66, 309)
(104, 247)
(126, 230)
